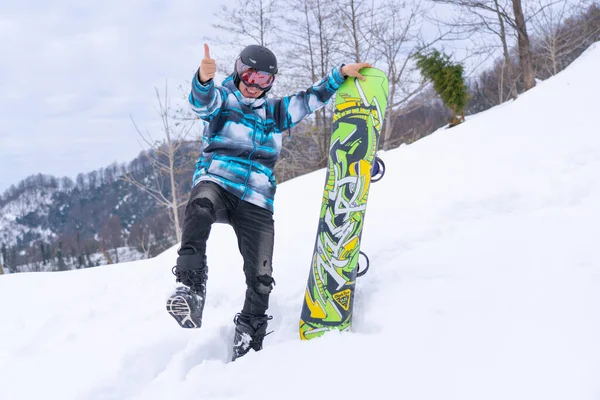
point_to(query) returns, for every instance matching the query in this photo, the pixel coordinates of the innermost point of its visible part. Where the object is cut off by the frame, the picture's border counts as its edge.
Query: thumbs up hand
(208, 67)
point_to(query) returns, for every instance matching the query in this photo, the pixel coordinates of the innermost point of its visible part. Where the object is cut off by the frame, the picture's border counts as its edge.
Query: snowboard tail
(357, 122)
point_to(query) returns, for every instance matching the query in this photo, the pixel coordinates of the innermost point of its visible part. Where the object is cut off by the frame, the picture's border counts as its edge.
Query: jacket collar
(254, 103)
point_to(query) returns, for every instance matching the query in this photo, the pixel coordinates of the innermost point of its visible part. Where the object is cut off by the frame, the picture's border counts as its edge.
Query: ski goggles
(253, 77)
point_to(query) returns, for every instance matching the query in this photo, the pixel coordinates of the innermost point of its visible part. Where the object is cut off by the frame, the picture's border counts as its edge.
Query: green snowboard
(357, 122)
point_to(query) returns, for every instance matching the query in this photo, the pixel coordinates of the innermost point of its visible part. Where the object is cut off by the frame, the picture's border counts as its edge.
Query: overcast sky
(72, 73)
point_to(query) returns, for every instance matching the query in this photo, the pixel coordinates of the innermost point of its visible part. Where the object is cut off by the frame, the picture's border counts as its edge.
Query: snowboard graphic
(357, 122)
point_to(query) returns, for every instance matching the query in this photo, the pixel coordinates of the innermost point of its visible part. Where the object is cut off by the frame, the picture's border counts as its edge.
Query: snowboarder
(234, 182)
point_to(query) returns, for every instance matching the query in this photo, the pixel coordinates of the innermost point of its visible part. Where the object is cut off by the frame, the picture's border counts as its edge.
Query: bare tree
(254, 19)
(357, 20)
(4, 257)
(60, 259)
(66, 184)
(141, 236)
(516, 20)
(525, 59)
(81, 182)
(394, 39)
(162, 156)
(311, 28)
(487, 17)
(111, 238)
(507, 64)
(557, 36)
(92, 178)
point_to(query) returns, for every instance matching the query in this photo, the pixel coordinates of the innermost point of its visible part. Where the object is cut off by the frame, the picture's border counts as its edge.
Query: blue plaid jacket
(243, 136)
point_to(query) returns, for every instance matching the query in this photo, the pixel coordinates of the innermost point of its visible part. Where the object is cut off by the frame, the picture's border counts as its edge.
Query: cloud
(73, 72)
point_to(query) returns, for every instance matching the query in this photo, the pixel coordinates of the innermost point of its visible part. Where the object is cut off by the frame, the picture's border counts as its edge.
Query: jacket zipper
(250, 155)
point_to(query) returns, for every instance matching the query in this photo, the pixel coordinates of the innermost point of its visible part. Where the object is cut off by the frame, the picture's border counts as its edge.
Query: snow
(30, 201)
(125, 254)
(484, 282)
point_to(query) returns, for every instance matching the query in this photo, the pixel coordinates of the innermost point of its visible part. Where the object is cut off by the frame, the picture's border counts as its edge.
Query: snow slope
(484, 283)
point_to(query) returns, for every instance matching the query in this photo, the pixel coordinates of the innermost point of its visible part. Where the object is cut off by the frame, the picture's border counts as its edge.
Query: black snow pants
(253, 226)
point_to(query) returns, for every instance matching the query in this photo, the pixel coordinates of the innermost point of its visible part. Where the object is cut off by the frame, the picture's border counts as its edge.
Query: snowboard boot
(187, 303)
(250, 330)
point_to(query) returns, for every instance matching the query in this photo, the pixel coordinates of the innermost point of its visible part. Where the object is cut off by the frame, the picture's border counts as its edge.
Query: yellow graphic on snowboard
(343, 298)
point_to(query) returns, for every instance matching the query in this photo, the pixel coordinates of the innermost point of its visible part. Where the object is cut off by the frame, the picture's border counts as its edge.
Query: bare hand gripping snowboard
(357, 122)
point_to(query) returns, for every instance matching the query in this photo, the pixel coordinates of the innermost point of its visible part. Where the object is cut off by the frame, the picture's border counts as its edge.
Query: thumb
(206, 51)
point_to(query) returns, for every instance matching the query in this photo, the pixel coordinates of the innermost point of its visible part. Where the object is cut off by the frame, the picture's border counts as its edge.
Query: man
(234, 182)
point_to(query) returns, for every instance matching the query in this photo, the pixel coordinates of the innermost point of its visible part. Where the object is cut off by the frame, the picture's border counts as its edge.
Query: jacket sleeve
(290, 110)
(205, 100)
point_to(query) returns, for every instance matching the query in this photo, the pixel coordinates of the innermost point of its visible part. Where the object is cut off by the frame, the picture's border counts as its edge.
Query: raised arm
(291, 110)
(205, 99)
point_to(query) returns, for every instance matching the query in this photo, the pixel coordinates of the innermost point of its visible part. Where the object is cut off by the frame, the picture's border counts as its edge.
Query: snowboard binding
(378, 170)
(362, 272)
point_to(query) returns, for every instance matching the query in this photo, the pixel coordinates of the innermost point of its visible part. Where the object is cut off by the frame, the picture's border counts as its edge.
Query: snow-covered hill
(31, 200)
(484, 283)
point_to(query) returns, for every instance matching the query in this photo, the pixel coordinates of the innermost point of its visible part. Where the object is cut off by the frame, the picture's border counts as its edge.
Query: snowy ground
(125, 254)
(484, 283)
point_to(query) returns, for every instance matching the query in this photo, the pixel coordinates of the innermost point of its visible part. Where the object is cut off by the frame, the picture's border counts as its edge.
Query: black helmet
(260, 58)
(256, 58)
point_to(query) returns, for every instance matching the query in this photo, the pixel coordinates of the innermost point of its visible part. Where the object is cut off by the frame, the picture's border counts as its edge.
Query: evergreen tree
(448, 82)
